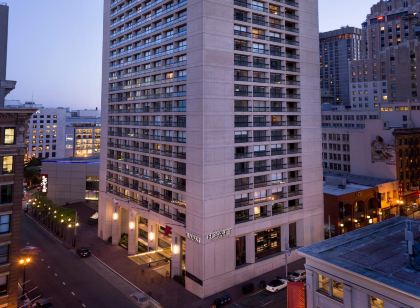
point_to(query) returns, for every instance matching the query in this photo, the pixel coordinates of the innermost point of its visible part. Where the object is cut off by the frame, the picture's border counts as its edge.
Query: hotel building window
(4, 254)
(6, 193)
(6, 164)
(9, 136)
(323, 284)
(375, 302)
(3, 284)
(5, 223)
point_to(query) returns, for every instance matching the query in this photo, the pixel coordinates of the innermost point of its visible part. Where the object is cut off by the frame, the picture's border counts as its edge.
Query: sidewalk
(166, 291)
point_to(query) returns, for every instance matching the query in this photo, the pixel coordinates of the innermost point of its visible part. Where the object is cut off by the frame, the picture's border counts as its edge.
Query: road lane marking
(63, 283)
(84, 306)
(55, 274)
(42, 260)
(72, 293)
(48, 266)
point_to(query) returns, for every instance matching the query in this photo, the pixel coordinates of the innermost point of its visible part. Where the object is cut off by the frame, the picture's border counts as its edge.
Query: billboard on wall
(382, 152)
(295, 295)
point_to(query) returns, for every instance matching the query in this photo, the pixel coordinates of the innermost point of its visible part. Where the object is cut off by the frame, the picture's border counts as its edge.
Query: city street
(67, 279)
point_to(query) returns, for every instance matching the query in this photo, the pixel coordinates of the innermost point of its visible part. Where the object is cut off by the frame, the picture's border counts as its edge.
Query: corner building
(212, 134)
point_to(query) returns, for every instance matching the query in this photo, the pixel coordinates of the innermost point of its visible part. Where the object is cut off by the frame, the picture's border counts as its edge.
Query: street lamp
(287, 253)
(74, 226)
(24, 261)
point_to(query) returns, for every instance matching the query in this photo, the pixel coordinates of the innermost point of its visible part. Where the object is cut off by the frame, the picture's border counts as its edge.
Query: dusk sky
(55, 47)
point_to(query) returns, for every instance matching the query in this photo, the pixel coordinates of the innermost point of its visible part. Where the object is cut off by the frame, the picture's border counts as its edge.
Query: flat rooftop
(72, 160)
(360, 179)
(334, 190)
(378, 252)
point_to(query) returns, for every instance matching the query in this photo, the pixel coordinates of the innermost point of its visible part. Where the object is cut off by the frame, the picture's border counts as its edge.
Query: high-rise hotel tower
(211, 134)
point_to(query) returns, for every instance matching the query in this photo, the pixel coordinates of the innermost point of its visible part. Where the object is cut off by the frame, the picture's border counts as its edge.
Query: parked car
(297, 276)
(223, 300)
(276, 285)
(83, 252)
(42, 303)
(141, 299)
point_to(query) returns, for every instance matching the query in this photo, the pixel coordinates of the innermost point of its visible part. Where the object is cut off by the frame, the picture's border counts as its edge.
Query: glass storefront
(267, 243)
(92, 188)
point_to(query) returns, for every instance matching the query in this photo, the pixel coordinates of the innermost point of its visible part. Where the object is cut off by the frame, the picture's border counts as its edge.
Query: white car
(141, 299)
(297, 276)
(276, 285)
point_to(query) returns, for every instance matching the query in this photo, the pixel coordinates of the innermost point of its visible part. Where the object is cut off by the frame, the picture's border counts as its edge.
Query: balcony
(243, 219)
(243, 202)
(282, 209)
(243, 155)
(243, 93)
(239, 187)
(294, 179)
(242, 139)
(261, 168)
(294, 193)
(261, 153)
(276, 152)
(239, 171)
(243, 124)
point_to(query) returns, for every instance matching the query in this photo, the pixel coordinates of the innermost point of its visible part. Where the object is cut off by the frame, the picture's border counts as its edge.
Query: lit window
(9, 136)
(7, 164)
(337, 290)
(323, 284)
(375, 302)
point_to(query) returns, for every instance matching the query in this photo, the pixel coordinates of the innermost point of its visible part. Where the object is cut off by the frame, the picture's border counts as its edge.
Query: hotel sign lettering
(219, 234)
(193, 237)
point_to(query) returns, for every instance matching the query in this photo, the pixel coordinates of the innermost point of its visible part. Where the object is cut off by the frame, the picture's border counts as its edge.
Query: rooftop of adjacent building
(378, 252)
(72, 160)
(339, 190)
(365, 180)
(387, 7)
(71, 115)
(338, 32)
(17, 110)
(336, 185)
(406, 131)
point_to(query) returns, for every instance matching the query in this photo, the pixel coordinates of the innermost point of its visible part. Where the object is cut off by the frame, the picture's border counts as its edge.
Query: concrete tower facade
(211, 134)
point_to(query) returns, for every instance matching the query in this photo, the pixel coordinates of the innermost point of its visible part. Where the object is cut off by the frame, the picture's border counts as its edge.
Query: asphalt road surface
(58, 273)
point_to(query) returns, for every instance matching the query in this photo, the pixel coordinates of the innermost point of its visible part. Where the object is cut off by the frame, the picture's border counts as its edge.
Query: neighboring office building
(375, 144)
(83, 133)
(61, 132)
(407, 148)
(13, 124)
(390, 61)
(70, 180)
(369, 267)
(212, 131)
(46, 133)
(337, 48)
(352, 202)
